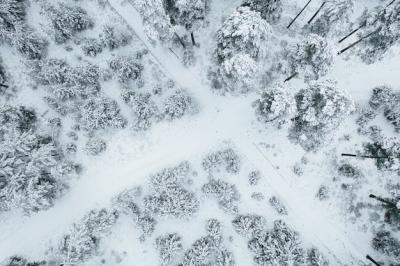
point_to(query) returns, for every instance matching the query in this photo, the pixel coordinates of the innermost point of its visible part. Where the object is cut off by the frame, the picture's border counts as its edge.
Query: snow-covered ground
(131, 158)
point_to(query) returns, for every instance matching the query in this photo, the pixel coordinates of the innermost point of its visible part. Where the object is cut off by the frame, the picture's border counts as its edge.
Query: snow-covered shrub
(316, 258)
(169, 197)
(278, 205)
(199, 253)
(92, 47)
(82, 241)
(311, 58)
(276, 105)
(226, 194)
(101, 113)
(32, 168)
(188, 13)
(115, 36)
(179, 104)
(320, 109)
(385, 23)
(249, 225)
(95, 146)
(349, 170)
(68, 20)
(334, 18)
(226, 159)
(12, 13)
(254, 177)
(387, 244)
(144, 109)
(157, 24)
(270, 10)
(29, 43)
(168, 245)
(126, 68)
(281, 246)
(386, 99)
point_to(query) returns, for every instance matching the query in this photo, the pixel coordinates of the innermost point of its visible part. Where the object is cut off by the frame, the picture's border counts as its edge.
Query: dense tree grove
(226, 159)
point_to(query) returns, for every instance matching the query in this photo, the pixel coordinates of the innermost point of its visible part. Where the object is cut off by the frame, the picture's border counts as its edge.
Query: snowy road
(196, 136)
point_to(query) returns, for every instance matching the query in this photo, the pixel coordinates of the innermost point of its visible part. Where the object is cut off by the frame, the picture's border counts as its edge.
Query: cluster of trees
(15, 31)
(226, 194)
(67, 21)
(384, 22)
(82, 241)
(169, 197)
(33, 168)
(226, 159)
(318, 110)
(278, 246)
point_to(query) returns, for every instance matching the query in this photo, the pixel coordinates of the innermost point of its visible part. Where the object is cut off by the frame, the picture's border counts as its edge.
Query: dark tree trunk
(3, 85)
(192, 36)
(358, 41)
(180, 40)
(387, 202)
(290, 77)
(316, 13)
(364, 156)
(372, 260)
(301, 11)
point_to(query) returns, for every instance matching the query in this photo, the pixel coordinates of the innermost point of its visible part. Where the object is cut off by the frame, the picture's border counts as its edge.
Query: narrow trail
(311, 220)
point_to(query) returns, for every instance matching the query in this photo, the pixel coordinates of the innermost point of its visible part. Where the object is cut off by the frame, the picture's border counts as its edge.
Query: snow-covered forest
(199, 132)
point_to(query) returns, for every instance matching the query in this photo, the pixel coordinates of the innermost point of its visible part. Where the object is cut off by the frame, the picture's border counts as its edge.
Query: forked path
(232, 125)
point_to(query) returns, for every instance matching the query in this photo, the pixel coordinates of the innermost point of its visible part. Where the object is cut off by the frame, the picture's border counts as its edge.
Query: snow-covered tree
(333, 19)
(68, 20)
(29, 43)
(92, 47)
(281, 246)
(320, 109)
(144, 109)
(249, 225)
(83, 239)
(385, 99)
(226, 159)
(225, 258)
(278, 205)
(270, 10)
(179, 104)
(33, 170)
(21, 261)
(188, 13)
(244, 31)
(386, 23)
(276, 105)
(387, 244)
(12, 14)
(169, 196)
(168, 246)
(126, 68)
(101, 113)
(95, 146)
(387, 149)
(311, 58)
(115, 36)
(157, 23)
(226, 194)
(199, 253)
(241, 42)
(316, 258)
